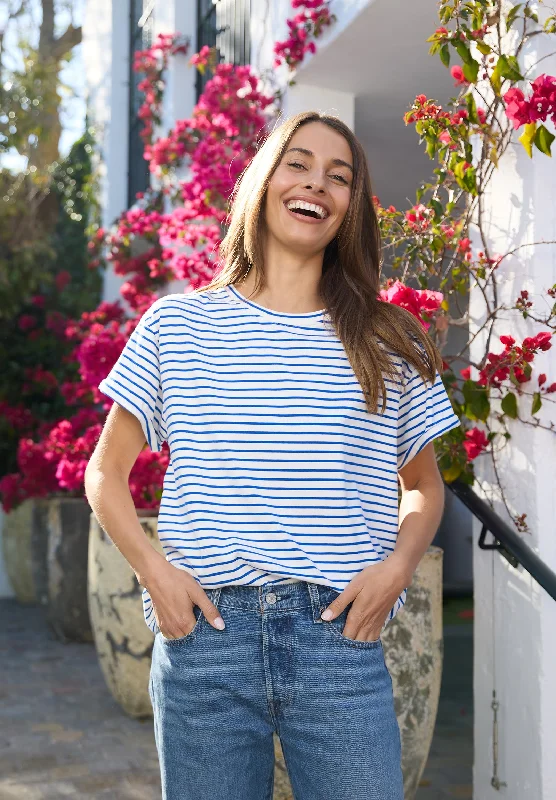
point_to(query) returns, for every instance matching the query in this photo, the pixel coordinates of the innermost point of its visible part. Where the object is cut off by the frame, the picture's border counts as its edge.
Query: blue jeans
(218, 696)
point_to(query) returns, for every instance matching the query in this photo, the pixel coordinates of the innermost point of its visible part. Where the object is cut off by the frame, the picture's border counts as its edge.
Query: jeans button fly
(270, 597)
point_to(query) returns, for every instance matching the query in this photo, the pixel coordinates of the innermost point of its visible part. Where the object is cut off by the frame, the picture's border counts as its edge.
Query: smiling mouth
(305, 214)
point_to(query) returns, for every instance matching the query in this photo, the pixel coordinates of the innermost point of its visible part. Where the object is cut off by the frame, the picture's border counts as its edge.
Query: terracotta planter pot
(24, 544)
(123, 641)
(68, 533)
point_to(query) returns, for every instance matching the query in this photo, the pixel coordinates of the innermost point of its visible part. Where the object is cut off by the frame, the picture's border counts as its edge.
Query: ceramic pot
(24, 544)
(123, 641)
(68, 533)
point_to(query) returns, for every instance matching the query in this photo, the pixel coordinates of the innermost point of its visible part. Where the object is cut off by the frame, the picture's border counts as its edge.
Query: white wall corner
(302, 97)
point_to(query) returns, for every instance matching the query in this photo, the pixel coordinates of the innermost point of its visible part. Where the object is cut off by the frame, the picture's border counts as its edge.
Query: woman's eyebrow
(337, 161)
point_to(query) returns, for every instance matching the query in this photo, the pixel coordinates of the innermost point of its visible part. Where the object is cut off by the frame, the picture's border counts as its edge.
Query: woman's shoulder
(184, 304)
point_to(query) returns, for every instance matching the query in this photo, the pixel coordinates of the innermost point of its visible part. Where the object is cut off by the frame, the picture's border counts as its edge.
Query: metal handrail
(507, 542)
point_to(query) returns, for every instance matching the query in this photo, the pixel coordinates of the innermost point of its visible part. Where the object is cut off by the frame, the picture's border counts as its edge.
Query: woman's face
(316, 169)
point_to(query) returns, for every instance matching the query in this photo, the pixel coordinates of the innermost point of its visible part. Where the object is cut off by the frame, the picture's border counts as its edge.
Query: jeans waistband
(274, 597)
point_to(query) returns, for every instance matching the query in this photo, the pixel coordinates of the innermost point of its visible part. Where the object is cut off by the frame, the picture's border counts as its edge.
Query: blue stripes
(276, 469)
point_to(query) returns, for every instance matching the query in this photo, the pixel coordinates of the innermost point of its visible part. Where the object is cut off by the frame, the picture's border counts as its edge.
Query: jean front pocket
(214, 596)
(192, 633)
(335, 626)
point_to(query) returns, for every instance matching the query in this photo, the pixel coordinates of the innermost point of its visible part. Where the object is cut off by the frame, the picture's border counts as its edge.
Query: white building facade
(368, 68)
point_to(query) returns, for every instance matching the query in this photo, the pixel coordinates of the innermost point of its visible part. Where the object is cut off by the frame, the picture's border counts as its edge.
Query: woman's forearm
(111, 501)
(421, 510)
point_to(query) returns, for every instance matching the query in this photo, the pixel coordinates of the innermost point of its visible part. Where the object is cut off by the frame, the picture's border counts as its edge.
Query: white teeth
(301, 204)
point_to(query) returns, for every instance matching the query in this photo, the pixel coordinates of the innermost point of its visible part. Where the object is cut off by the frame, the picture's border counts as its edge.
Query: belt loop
(315, 601)
(215, 596)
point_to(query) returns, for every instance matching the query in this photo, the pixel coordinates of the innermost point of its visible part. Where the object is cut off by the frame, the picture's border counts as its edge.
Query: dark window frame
(224, 24)
(140, 38)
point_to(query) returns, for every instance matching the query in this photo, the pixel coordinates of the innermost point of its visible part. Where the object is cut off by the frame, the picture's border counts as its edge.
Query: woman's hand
(373, 592)
(174, 592)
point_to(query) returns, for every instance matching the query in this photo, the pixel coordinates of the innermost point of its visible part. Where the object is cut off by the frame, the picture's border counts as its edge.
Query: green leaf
(509, 405)
(477, 405)
(445, 55)
(543, 140)
(438, 208)
(463, 51)
(531, 14)
(506, 67)
(483, 47)
(512, 14)
(452, 473)
(471, 108)
(537, 403)
(528, 136)
(471, 71)
(510, 68)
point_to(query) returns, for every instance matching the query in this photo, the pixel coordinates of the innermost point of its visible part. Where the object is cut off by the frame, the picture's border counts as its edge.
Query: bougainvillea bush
(173, 230)
(35, 354)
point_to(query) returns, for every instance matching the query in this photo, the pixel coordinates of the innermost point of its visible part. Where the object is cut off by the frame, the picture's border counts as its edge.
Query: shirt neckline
(269, 312)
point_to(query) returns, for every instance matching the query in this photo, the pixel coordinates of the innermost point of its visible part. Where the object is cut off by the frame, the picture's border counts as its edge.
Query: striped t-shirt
(277, 470)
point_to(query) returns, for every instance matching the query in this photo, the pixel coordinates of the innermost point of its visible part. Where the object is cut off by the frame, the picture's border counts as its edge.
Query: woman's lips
(303, 218)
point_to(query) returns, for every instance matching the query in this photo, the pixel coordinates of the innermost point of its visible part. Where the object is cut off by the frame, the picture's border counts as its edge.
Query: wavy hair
(351, 270)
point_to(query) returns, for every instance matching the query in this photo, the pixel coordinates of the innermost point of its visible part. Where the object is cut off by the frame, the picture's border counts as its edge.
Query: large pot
(123, 641)
(68, 533)
(413, 648)
(24, 544)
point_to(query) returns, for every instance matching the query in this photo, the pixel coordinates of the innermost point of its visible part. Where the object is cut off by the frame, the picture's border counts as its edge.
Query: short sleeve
(134, 381)
(425, 412)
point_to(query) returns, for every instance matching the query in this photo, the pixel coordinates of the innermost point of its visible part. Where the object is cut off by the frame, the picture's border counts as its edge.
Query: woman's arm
(421, 510)
(173, 591)
(107, 490)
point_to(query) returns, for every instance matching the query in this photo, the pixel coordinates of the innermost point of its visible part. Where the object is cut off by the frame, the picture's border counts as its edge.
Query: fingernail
(327, 614)
(220, 624)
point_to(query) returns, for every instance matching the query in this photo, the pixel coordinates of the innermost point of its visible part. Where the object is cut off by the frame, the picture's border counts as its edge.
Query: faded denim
(218, 696)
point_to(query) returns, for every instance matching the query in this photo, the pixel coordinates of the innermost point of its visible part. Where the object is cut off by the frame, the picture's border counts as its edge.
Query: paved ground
(62, 735)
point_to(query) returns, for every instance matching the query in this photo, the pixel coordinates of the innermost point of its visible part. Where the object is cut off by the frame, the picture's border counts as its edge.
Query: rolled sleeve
(425, 412)
(134, 380)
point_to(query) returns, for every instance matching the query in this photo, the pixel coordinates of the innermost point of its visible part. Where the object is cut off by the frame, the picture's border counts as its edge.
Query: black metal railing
(224, 24)
(506, 540)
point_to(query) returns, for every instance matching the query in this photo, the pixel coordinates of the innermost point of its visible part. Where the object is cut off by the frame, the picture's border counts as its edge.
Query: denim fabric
(218, 696)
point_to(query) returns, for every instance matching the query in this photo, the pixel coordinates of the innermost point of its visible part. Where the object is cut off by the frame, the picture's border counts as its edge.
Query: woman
(291, 399)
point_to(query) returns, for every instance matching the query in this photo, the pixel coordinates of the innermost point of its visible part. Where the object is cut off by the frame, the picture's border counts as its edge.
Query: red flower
(458, 76)
(26, 322)
(62, 280)
(475, 443)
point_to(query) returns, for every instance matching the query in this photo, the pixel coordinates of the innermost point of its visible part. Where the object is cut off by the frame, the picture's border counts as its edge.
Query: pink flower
(517, 108)
(458, 76)
(26, 322)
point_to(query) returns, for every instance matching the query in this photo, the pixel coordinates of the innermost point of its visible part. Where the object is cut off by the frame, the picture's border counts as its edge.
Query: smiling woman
(281, 495)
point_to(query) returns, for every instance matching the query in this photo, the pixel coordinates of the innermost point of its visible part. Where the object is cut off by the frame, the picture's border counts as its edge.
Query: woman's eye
(297, 164)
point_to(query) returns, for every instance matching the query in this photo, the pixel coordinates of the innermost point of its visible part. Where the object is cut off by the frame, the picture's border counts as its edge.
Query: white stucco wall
(106, 60)
(515, 623)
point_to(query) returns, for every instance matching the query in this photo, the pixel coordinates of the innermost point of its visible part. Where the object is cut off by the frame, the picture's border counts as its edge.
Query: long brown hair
(350, 280)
